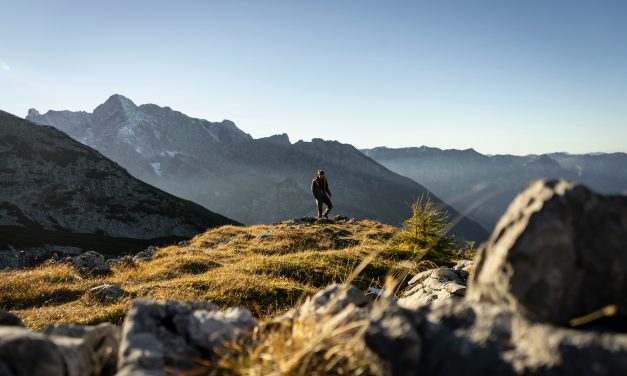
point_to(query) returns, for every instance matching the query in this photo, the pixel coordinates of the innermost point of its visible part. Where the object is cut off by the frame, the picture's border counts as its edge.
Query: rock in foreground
(558, 253)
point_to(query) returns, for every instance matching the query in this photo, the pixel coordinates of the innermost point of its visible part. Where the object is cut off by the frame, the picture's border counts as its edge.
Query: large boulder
(558, 253)
(177, 336)
(63, 351)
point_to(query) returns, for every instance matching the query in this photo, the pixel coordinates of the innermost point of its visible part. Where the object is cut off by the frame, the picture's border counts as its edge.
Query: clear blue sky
(499, 76)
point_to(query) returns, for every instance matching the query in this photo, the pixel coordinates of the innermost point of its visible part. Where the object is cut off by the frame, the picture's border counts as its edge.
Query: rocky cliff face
(250, 180)
(56, 191)
(482, 186)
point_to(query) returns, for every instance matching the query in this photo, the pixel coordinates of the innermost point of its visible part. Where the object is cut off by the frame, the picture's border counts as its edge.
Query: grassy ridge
(266, 268)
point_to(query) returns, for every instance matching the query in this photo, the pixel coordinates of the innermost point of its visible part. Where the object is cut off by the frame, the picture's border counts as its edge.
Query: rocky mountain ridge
(250, 180)
(483, 185)
(57, 192)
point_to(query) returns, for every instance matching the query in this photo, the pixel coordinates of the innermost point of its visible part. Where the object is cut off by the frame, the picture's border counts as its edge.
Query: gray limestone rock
(461, 338)
(434, 285)
(88, 260)
(177, 335)
(332, 300)
(393, 336)
(63, 351)
(142, 256)
(107, 293)
(558, 253)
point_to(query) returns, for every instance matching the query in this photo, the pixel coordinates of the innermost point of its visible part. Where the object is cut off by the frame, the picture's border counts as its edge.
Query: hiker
(320, 190)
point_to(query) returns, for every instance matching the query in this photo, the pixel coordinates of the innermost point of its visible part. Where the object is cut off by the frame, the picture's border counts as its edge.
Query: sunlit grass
(267, 269)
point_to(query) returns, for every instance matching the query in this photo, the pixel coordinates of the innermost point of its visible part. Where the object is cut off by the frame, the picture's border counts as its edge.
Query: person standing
(320, 190)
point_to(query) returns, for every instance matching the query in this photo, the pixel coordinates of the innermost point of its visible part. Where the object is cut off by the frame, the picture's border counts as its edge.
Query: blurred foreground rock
(558, 253)
(62, 350)
(177, 336)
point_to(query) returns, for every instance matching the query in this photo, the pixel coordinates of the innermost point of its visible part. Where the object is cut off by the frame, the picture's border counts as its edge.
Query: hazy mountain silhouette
(55, 191)
(250, 180)
(484, 185)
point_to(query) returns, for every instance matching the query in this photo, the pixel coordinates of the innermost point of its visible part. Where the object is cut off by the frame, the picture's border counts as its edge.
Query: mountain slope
(251, 180)
(56, 191)
(484, 185)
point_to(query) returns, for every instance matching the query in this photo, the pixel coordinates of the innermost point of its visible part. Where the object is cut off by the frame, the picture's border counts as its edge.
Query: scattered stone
(183, 243)
(88, 260)
(434, 285)
(107, 293)
(341, 219)
(122, 260)
(248, 236)
(143, 256)
(9, 319)
(61, 350)
(558, 253)
(263, 236)
(177, 335)
(91, 262)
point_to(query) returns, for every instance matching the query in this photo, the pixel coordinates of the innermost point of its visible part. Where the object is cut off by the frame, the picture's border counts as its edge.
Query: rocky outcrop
(557, 254)
(60, 350)
(177, 335)
(56, 192)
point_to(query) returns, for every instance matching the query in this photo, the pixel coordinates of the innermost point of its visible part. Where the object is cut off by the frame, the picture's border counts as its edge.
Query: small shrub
(422, 236)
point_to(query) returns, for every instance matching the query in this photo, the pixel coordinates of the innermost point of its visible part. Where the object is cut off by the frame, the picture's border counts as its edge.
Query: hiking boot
(326, 215)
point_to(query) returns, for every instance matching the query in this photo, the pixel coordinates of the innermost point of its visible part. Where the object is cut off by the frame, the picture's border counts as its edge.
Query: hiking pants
(324, 200)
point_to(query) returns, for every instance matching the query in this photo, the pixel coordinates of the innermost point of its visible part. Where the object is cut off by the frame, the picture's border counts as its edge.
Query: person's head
(320, 174)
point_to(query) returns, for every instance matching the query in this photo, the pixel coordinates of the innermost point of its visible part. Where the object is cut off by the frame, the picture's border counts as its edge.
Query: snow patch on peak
(170, 154)
(156, 166)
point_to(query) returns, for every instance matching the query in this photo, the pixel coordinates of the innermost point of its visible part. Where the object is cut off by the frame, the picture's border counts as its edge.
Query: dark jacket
(320, 188)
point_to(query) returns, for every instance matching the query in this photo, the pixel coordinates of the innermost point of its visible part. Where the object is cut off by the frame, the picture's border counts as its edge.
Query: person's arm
(326, 186)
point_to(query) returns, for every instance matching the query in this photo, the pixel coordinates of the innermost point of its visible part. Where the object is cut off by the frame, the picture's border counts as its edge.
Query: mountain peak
(116, 101)
(33, 112)
(279, 139)
(121, 100)
(117, 106)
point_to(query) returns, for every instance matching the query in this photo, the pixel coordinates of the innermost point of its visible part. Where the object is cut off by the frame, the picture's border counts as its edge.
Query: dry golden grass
(230, 266)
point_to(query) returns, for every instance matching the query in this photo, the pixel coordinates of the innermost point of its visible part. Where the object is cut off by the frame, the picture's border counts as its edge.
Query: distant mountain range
(250, 180)
(55, 192)
(482, 186)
